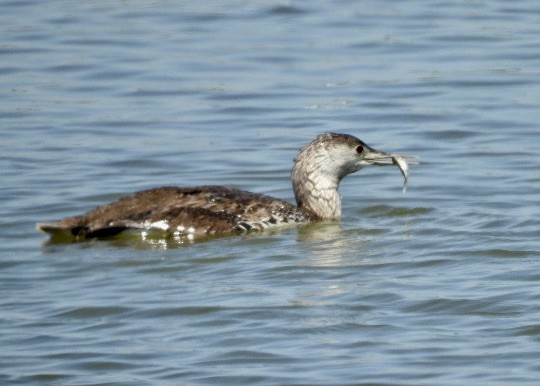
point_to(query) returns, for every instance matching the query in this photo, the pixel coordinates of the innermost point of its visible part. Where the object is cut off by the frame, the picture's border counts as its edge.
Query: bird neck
(316, 189)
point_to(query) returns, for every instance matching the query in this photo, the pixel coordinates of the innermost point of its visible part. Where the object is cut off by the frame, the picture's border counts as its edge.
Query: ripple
(92, 312)
(393, 211)
(504, 253)
(479, 307)
(531, 330)
(244, 356)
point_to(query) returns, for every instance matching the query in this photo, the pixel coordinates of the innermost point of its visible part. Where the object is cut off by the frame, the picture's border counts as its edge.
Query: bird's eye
(359, 149)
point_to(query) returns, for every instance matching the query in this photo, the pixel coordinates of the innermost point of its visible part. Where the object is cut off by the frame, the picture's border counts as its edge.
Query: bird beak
(378, 158)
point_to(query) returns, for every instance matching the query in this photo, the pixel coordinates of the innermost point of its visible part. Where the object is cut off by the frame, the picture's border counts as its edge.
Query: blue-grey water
(437, 286)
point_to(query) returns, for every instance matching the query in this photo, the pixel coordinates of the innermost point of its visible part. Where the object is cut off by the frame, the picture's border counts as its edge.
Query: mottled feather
(196, 211)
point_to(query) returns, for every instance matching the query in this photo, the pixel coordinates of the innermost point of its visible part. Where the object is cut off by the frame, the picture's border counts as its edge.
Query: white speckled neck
(318, 169)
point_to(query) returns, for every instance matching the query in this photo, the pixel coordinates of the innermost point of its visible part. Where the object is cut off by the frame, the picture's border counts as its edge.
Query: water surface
(437, 286)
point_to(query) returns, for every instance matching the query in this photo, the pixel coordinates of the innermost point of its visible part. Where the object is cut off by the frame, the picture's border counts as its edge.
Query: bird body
(190, 212)
(212, 210)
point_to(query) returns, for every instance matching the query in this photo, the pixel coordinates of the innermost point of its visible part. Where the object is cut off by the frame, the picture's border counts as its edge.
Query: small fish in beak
(403, 167)
(379, 158)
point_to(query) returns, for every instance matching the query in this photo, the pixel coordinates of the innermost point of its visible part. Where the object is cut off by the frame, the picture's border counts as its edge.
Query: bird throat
(318, 194)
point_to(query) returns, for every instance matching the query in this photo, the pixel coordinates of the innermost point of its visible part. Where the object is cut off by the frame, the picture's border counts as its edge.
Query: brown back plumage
(191, 212)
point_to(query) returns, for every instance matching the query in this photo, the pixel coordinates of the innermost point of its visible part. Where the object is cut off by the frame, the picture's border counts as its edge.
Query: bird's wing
(204, 210)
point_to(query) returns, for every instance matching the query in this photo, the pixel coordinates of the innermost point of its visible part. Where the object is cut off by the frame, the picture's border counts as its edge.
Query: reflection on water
(330, 244)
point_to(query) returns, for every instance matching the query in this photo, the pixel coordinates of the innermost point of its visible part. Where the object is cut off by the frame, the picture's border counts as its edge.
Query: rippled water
(438, 286)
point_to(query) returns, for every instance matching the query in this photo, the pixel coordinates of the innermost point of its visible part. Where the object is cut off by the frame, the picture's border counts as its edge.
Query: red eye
(359, 149)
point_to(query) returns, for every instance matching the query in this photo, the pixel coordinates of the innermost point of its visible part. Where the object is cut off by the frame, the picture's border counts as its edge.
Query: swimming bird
(212, 210)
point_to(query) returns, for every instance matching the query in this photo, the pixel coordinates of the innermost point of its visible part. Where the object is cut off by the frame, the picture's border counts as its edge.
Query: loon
(215, 210)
